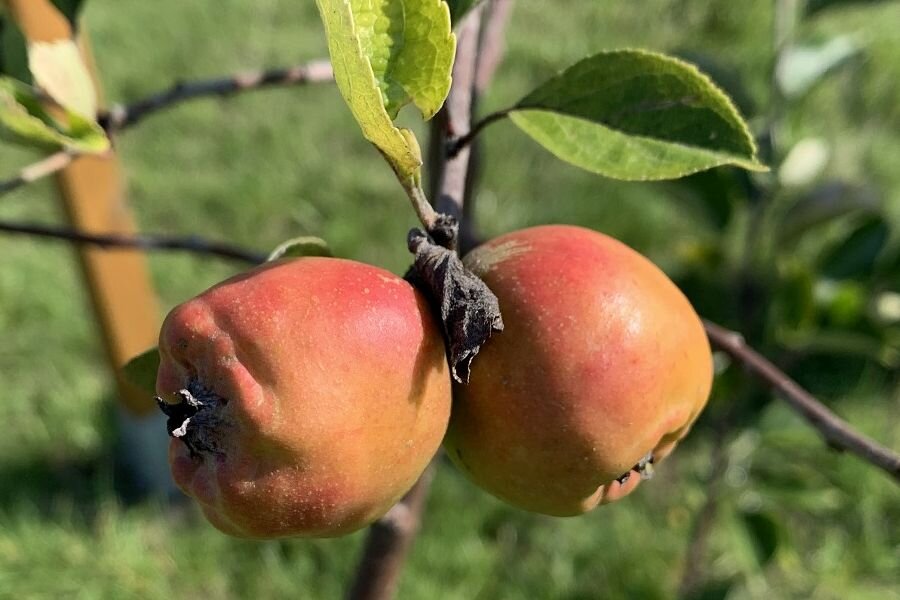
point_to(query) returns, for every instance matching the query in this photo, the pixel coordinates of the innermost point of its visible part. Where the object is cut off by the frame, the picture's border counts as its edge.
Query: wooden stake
(92, 191)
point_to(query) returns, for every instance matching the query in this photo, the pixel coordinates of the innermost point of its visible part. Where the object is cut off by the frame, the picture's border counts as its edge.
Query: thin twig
(458, 109)
(458, 144)
(493, 42)
(425, 212)
(388, 543)
(122, 116)
(390, 539)
(46, 166)
(836, 432)
(147, 242)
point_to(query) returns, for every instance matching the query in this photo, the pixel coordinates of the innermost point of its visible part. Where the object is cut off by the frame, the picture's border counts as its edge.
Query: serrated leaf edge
(718, 158)
(731, 109)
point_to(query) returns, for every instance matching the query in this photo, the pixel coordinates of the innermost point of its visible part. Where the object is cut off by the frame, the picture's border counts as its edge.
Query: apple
(305, 396)
(601, 369)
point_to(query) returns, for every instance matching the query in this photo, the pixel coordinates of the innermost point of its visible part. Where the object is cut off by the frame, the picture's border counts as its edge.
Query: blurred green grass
(258, 168)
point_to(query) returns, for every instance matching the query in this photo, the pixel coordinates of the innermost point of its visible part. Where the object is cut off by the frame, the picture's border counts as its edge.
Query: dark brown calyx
(644, 468)
(469, 312)
(196, 419)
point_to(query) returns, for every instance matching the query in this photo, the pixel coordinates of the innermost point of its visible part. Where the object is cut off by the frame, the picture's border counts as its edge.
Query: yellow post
(93, 194)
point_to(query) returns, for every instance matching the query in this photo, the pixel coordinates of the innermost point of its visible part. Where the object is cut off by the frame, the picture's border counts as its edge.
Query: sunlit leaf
(59, 70)
(24, 119)
(141, 370)
(726, 75)
(385, 54)
(844, 301)
(804, 163)
(637, 115)
(801, 67)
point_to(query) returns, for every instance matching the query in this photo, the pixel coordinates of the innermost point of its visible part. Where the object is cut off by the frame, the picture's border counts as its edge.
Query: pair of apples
(318, 389)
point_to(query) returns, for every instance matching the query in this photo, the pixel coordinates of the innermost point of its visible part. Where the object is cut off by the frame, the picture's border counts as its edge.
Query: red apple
(602, 362)
(320, 392)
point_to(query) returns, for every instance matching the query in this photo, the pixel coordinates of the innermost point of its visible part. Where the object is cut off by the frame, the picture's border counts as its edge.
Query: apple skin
(602, 361)
(334, 394)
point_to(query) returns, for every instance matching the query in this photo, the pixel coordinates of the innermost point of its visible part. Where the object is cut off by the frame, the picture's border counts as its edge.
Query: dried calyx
(195, 419)
(644, 468)
(468, 310)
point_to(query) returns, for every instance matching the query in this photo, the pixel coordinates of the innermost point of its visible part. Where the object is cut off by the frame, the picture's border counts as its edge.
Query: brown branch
(122, 116)
(48, 165)
(836, 432)
(493, 42)
(458, 112)
(388, 544)
(191, 244)
(390, 539)
(457, 144)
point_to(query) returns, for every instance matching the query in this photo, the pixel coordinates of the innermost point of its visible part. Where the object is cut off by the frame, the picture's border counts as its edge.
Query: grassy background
(261, 167)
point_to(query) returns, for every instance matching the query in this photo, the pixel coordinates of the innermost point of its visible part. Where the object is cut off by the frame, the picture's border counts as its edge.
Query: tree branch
(493, 42)
(388, 544)
(121, 116)
(491, 51)
(46, 166)
(390, 539)
(458, 112)
(191, 244)
(836, 432)
(457, 144)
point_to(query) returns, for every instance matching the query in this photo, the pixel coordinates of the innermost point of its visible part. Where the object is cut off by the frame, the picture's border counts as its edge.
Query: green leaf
(801, 67)
(141, 370)
(712, 590)
(386, 54)
(458, 8)
(856, 256)
(844, 301)
(301, 246)
(763, 533)
(816, 6)
(823, 204)
(59, 70)
(24, 119)
(637, 115)
(13, 51)
(410, 47)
